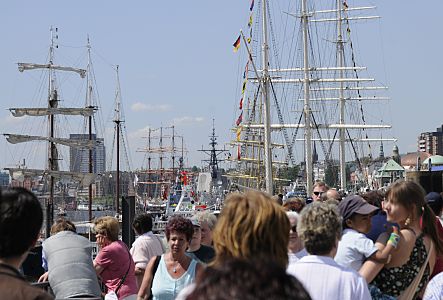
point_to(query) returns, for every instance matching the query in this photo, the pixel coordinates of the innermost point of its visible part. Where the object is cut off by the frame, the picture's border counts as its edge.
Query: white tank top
(164, 287)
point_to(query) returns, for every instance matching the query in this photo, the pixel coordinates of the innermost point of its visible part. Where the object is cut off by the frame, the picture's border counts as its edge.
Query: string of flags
(236, 46)
(237, 42)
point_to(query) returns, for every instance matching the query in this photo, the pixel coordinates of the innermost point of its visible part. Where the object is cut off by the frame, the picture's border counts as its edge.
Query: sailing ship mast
(327, 92)
(52, 172)
(117, 120)
(89, 104)
(164, 174)
(269, 186)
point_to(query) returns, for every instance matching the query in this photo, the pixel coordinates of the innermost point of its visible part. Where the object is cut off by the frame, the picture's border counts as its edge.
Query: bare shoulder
(408, 235)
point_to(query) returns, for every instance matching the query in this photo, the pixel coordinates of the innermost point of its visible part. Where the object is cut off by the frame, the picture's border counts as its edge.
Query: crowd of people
(369, 246)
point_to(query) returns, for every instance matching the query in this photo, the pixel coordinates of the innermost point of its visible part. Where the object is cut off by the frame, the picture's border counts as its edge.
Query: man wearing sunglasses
(319, 188)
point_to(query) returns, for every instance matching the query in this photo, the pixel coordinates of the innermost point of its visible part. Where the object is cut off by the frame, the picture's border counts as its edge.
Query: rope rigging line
(356, 154)
(327, 159)
(285, 132)
(348, 31)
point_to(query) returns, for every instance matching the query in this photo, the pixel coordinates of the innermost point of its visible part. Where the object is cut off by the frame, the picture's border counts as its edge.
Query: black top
(205, 254)
(394, 281)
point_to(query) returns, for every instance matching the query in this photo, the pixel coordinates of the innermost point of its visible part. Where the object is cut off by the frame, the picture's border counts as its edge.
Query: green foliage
(289, 173)
(331, 175)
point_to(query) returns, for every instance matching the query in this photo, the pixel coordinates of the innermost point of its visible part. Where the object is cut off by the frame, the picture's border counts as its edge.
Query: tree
(331, 175)
(289, 173)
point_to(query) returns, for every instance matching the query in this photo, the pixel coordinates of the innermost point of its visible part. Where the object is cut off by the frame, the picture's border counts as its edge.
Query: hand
(102, 240)
(394, 238)
(44, 277)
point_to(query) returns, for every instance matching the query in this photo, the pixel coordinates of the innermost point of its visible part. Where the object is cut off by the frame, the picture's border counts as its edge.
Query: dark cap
(434, 198)
(355, 204)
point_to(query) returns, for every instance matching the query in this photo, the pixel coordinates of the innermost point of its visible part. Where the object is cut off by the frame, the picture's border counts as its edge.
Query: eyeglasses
(318, 193)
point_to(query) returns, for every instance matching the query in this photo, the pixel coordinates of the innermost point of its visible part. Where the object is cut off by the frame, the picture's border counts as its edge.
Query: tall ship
(159, 182)
(52, 122)
(304, 100)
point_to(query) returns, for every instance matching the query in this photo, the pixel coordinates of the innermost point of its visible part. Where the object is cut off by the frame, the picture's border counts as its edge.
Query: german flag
(236, 44)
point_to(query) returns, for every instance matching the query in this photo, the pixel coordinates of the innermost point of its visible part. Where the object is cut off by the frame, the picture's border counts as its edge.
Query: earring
(407, 221)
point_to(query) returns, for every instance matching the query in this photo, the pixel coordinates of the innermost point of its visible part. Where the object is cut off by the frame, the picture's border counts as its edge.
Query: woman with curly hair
(166, 277)
(251, 229)
(320, 229)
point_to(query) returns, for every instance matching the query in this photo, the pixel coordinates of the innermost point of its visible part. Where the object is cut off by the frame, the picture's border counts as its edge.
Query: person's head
(294, 204)
(197, 235)
(247, 280)
(356, 213)
(21, 218)
(251, 225)
(317, 191)
(62, 225)
(320, 228)
(374, 197)
(333, 194)
(295, 243)
(108, 227)
(435, 202)
(207, 222)
(179, 231)
(142, 223)
(405, 205)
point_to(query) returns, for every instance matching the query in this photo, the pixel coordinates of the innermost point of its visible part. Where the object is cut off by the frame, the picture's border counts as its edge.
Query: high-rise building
(431, 142)
(79, 157)
(4, 179)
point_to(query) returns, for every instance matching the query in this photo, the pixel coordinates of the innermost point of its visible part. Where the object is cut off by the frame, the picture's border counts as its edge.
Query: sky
(177, 66)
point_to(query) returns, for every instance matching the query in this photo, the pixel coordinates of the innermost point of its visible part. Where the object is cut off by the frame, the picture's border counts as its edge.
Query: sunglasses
(318, 193)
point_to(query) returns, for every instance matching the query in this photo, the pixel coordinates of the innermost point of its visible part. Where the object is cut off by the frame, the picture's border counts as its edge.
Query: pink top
(114, 260)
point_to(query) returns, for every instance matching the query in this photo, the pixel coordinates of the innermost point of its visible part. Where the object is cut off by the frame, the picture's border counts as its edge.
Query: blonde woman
(251, 227)
(114, 264)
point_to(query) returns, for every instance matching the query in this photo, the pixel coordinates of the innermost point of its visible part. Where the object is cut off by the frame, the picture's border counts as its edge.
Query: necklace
(174, 268)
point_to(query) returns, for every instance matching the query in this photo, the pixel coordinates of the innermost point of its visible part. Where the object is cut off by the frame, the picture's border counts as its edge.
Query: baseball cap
(355, 204)
(195, 221)
(433, 198)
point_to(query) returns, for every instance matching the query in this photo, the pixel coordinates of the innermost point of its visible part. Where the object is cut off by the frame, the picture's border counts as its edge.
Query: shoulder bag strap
(154, 269)
(409, 293)
(126, 274)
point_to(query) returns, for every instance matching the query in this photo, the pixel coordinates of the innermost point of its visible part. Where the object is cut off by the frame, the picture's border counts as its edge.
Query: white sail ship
(55, 115)
(304, 91)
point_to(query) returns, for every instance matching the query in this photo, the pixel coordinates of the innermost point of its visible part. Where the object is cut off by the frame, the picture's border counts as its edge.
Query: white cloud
(139, 106)
(186, 120)
(139, 133)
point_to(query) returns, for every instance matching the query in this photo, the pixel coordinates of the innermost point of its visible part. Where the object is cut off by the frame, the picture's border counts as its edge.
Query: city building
(431, 142)
(79, 157)
(4, 179)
